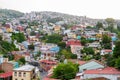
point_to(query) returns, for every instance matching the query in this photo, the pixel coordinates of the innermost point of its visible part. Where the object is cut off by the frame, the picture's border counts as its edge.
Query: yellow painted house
(9, 30)
(57, 29)
(98, 35)
(71, 35)
(26, 72)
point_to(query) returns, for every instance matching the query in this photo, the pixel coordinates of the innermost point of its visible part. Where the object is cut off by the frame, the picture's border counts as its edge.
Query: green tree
(22, 61)
(99, 25)
(6, 46)
(117, 63)
(20, 37)
(1, 71)
(116, 52)
(62, 44)
(54, 38)
(33, 23)
(66, 53)
(31, 47)
(9, 56)
(118, 35)
(83, 41)
(106, 41)
(110, 22)
(97, 56)
(73, 56)
(0, 38)
(109, 59)
(33, 33)
(88, 50)
(65, 71)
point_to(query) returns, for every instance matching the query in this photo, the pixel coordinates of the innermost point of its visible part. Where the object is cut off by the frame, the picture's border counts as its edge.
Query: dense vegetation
(6, 47)
(18, 36)
(65, 71)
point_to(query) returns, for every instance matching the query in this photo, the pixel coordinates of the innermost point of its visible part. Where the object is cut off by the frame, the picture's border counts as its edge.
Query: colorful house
(57, 29)
(26, 72)
(6, 76)
(71, 35)
(47, 64)
(108, 73)
(9, 66)
(106, 51)
(92, 64)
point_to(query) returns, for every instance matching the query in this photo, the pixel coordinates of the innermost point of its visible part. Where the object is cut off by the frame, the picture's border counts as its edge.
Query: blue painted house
(55, 49)
(114, 38)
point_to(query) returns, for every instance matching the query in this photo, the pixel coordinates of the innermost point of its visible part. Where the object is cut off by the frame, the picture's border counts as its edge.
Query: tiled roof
(73, 42)
(48, 77)
(5, 75)
(108, 50)
(48, 61)
(25, 68)
(107, 70)
(75, 61)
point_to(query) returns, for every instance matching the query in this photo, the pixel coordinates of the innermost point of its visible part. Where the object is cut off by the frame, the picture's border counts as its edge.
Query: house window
(19, 74)
(24, 74)
(15, 73)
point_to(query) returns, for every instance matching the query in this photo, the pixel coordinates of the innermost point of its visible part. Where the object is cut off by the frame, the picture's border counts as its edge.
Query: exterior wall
(57, 28)
(7, 67)
(9, 30)
(90, 65)
(71, 35)
(17, 56)
(103, 52)
(28, 75)
(111, 77)
(75, 48)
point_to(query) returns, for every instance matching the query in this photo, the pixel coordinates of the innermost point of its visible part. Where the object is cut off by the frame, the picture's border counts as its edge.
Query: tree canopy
(116, 52)
(54, 38)
(88, 50)
(65, 71)
(83, 41)
(99, 25)
(6, 47)
(21, 61)
(20, 37)
(106, 41)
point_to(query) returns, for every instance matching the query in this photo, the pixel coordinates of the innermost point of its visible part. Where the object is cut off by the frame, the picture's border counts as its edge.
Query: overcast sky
(89, 8)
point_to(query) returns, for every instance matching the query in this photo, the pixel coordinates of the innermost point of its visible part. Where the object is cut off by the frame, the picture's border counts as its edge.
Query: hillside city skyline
(93, 9)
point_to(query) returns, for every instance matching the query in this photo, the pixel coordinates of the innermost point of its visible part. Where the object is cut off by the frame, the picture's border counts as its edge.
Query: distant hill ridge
(7, 13)
(49, 15)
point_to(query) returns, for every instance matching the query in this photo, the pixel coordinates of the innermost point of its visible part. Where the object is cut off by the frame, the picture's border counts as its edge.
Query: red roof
(74, 27)
(5, 75)
(108, 50)
(7, 25)
(48, 77)
(73, 42)
(20, 28)
(75, 60)
(108, 70)
(48, 61)
(81, 62)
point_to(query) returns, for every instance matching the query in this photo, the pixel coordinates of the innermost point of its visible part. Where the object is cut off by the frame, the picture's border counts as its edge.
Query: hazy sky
(89, 8)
